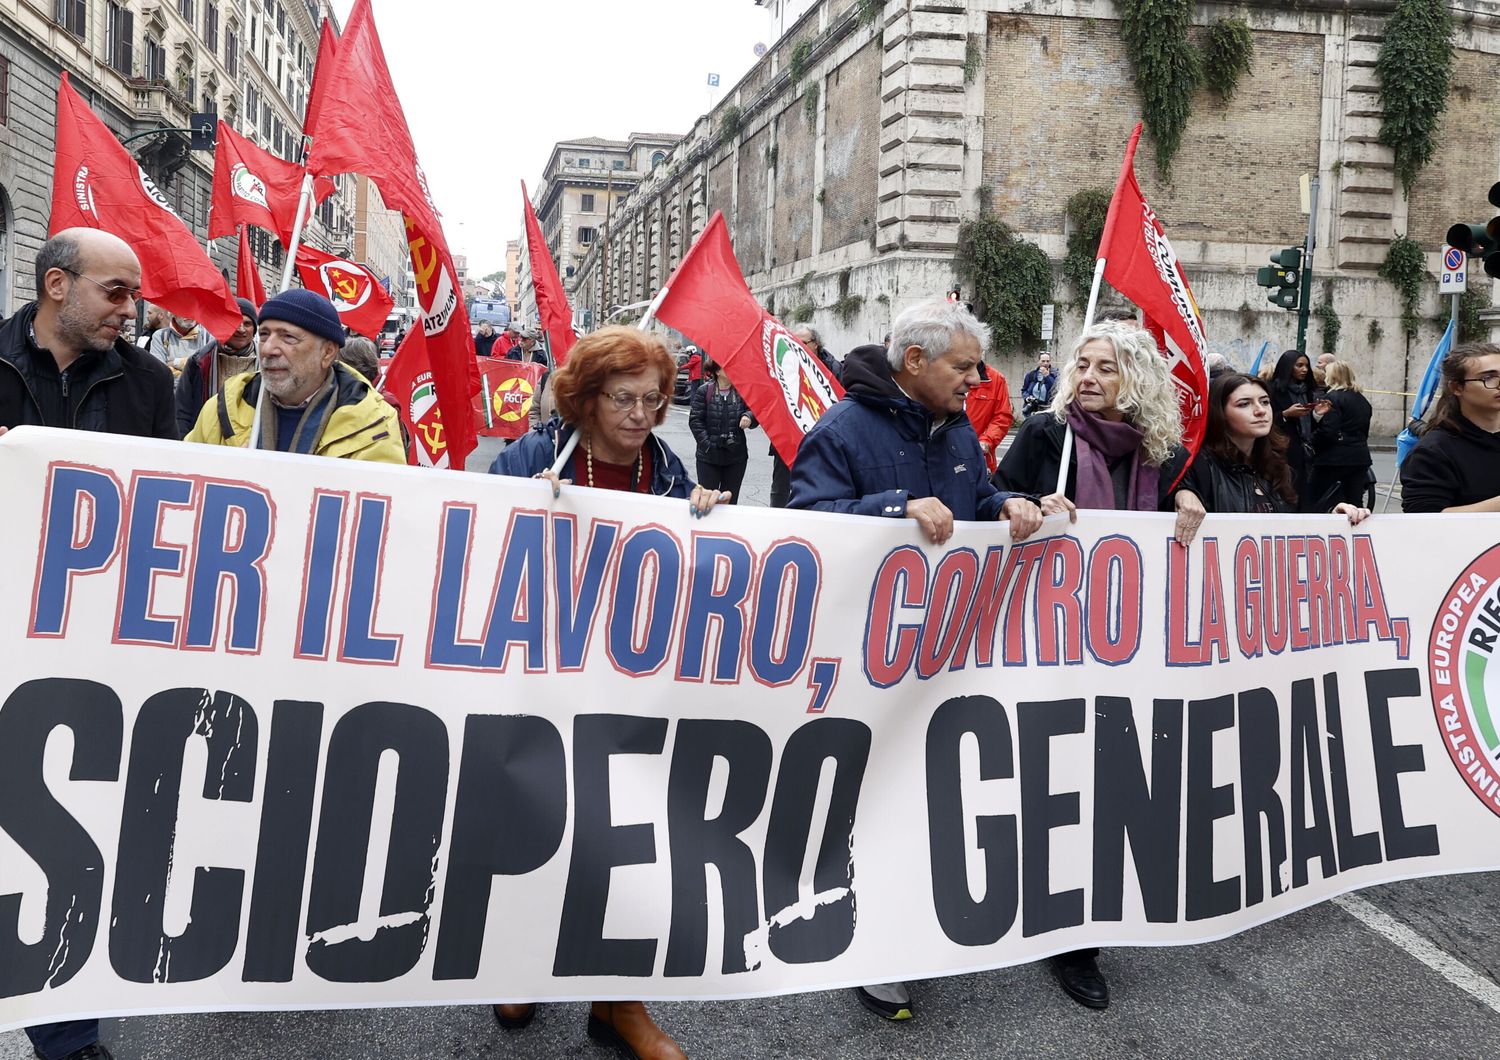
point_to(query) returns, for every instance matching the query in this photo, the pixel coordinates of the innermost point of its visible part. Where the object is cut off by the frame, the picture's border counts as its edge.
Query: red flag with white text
(247, 276)
(707, 300)
(357, 293)
(409, 381)
(254, 187)
(552, 307)
(97, 184)
(1139, 263)
(359, 127)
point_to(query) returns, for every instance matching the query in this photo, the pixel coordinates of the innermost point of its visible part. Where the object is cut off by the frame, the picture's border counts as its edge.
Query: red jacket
(990, 411)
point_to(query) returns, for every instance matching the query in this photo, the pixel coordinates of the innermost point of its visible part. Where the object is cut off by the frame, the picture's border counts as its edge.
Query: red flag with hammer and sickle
(359, 296)
(360, 127)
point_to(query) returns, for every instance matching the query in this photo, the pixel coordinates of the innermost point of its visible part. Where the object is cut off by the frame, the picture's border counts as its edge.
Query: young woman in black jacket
(1292, 406)
(1341, 440)
(718, 418)
(1242, 467)
(1456, 465)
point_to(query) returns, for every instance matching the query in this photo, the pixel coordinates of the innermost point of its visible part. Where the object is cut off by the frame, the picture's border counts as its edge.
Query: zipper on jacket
(84, 400)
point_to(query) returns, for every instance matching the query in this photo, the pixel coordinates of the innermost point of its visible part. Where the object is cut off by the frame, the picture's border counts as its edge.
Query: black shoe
(889, 1001)
(88, 1052)
(1081, 979)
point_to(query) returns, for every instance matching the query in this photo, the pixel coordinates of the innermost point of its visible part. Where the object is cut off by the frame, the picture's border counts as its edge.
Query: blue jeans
(56, 1040)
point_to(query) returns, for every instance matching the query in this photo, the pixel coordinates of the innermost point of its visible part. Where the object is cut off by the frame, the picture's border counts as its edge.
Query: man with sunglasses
(63, 362)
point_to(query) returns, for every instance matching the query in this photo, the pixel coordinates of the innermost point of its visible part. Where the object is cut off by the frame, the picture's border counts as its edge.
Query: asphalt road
(1403, 970)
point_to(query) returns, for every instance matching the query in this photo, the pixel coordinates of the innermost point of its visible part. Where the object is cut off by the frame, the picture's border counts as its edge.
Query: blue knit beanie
(309, 311)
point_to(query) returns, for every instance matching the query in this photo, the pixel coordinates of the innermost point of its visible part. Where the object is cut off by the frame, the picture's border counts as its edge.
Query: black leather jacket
(1231, 489)
(714, 418)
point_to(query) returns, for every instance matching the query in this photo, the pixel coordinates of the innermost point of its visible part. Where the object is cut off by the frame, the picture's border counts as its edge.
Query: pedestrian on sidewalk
(719, 418)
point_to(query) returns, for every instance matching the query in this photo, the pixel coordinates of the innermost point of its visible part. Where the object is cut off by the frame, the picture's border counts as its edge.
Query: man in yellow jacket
(314, 404)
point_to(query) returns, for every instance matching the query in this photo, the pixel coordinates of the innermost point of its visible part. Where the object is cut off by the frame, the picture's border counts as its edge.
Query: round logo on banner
(349, 286)
(427, 423)
(246, 185)
(155, 192)
(1463, 666)
(804, 386)
(511, 399)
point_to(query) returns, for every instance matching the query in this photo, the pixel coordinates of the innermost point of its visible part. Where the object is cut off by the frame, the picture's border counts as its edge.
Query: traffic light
(1480, 241)
(1283, 276)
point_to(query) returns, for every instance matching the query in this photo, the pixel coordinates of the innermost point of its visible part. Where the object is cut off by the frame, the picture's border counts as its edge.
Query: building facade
(583, 181)
(145, 65)
(380, 240)
(847, 159)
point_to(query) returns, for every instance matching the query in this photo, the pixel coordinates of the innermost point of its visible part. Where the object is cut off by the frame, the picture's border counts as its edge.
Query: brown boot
(514, 1017)
(627, 1026)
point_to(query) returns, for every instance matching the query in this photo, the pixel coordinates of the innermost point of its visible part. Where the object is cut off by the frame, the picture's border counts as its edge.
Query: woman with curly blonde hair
(1115, 395)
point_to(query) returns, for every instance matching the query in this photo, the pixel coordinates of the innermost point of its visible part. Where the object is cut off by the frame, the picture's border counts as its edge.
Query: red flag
(551, 303)
(509, 387)
(706, 299)
(247, 276)
(409, 380)
(96, 184)
(361, 128)
(254, 187)
(1139, 263)
(328, 44)
(357, 293)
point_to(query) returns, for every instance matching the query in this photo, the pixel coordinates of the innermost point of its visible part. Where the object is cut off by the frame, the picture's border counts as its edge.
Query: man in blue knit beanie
(313, 404)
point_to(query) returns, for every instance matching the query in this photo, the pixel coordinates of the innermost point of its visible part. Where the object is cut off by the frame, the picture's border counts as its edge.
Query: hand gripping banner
(280, 732)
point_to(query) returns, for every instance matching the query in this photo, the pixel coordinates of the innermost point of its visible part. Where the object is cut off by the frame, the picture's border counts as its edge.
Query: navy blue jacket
(877, 448)
(535, 451)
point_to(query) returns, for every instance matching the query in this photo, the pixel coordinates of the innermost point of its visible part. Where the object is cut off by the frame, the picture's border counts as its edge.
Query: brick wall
(851, 149)
(792, 232)
(1453, 186)
(750, 220)
(1035, 157)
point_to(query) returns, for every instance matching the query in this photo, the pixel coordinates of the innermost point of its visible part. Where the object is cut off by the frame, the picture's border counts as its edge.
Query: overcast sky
(488, 89)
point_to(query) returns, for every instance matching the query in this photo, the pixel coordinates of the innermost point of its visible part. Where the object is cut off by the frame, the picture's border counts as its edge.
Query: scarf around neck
(1099, 443)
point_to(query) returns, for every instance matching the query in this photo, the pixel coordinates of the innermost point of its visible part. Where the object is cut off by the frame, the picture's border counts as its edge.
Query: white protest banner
(280, 732)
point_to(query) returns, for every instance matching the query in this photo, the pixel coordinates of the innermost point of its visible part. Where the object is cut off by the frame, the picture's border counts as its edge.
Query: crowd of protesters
(1101, 432)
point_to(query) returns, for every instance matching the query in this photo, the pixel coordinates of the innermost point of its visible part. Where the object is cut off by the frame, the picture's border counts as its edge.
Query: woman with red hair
(614, 389)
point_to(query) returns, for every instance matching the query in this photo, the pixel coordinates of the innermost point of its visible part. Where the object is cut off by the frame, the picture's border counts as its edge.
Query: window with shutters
(119, 38)
(73, 16)
(587, 235)
(156, 60)
(211, 26)
(185, 9)
(4, 89)
(232, 50)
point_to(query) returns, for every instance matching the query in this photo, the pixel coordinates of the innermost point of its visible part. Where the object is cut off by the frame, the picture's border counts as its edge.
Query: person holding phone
(1292, 408)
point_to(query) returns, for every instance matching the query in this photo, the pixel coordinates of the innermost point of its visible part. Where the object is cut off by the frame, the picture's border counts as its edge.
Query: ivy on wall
(1414, 67)
(1010, 277)
(1227, 54)
(1168, 69)
(1086, 211)
(1328, 317)
(1405, 268)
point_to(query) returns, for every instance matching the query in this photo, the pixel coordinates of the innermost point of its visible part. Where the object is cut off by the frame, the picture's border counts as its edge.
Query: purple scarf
(1099, 442)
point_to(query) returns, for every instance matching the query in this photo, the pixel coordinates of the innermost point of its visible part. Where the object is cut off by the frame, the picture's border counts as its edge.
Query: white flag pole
(1088, 319)
(649, 316)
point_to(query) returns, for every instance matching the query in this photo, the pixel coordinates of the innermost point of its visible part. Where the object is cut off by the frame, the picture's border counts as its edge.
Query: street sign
(1048, 313)
(713, 80)
(1453, 271)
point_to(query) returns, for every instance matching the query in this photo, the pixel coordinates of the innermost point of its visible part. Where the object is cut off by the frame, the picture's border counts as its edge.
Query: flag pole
(1088, 319)
(649, 317)
(286, 280)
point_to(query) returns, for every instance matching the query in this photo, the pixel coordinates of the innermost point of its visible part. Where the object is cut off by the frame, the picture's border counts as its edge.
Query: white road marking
(1480, 987)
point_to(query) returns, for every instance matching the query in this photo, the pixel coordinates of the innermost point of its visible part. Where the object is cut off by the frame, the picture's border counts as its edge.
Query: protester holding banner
(718, 418)
(873, 452)
(1292, 403)
(313, 404)
(72, 369)
(205, 372)
(1341, 440)
(1115, 394)
(1455, 467)
(1243, 468)
(613, 390)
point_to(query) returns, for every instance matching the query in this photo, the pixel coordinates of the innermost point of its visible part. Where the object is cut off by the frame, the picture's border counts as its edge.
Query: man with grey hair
(900, 446)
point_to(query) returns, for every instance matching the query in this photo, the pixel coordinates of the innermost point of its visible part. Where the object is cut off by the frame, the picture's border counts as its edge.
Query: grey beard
(79, 331)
